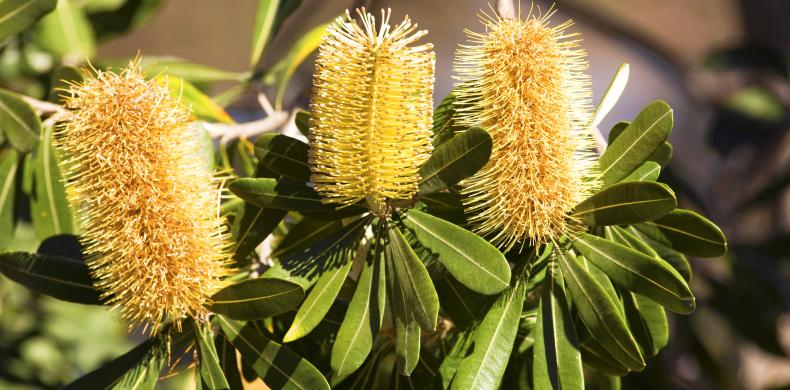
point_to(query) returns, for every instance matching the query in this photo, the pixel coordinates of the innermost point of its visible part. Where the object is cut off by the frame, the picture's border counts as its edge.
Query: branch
(42, 107)
(227, 132)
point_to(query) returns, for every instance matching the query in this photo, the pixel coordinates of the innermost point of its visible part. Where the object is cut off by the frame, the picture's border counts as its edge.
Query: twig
(227, 132)
(42, 107)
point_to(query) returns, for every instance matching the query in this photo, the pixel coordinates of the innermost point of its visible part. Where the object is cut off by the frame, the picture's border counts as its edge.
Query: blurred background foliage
(722, 64)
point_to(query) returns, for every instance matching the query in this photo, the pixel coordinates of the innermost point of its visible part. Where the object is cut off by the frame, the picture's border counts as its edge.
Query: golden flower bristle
(371, 111)
(525, 82)
(144, 199)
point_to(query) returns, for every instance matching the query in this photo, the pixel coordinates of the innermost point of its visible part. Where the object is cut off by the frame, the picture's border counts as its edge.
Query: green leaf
(67, 32)
(676, 259)
(464, 306)
(254, 225)
(18, 121)
(200, 105)
(648, 171)
(210, 370)
(109, 374)
(304, 234)
(228, 362)
(493, 342)
(638, 272)
(302, 121)
(9, 162)
(637, 142)
(595, 355)
(600, 313)
(557, 360)
(278, 194)
(611, 95)
(255, 299)
(264, 20)
(415, 283)
(61, 77)
(59, 277)
(282, 71)
(363, 319)
(18, 15)
(648, 321)
(444, 126)
(662, 155)
(617, 129)
(447, 206)
(189, 71)
(455, 160)
(626, 203)
(50, 211)
(468, 257)
(275, 364)
(689, 233)
(283, 155)
(318, 301)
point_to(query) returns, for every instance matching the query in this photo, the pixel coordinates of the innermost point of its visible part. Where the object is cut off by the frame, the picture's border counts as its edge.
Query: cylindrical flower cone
(525, 82)
(145, 201)
(371, 112)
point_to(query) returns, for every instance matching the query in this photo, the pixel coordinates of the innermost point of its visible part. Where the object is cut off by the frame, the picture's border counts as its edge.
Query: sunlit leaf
(67, 32)
(275, 364)
(637, 142)
(469, 258)
(50, 211)
(17, 15)
(687, 232)
(638, 272)
(210, 369)
(19, 122)
(626, 203)
(456, 159)
(255, 299)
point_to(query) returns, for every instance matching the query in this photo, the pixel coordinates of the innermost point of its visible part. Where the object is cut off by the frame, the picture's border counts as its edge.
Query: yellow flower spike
(146, 203)
(525, 82)
(372, 111)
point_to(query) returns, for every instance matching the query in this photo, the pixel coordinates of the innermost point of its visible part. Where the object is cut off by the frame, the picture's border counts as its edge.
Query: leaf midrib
(636, 141)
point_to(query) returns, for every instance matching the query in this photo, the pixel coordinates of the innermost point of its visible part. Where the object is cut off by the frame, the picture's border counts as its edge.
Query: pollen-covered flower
(145, 201)
(525, 82)
(371, 111)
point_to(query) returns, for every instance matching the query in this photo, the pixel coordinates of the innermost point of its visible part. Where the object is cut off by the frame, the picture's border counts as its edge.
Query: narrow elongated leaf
(493, 342)
(285, 194)
(67, 32)
(18, 121)
(663, 155)
(626, 203)
(210, 368)
(638, 272)
(444, 126)
(469, 258)
(255, 299)
(264, 21)
(59, 277)
(676, 259)
(318, 302)
(254, 225)
(283, 155)
(282, 71)
(304, 234)
(109, 374)
(49, 207)
(189, 71)
(464, 306)
(637, 142)
(17, 15)
(617, 129)
(9, 162)
(689, 233)
(455, 160)
(275, 364)
(648, 171)
(595, 355)
(362, 321)
(415, 282)
(648, 321)
(302, 121)
(447, 206)
(557, 362)
(200, 105)
(600, 313)
(228, 363)
(611, 96)
(407, 343)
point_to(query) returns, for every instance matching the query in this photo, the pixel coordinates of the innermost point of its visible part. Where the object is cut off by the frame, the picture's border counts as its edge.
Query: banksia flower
(525, 82)
(371, 110)
(145, 200)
